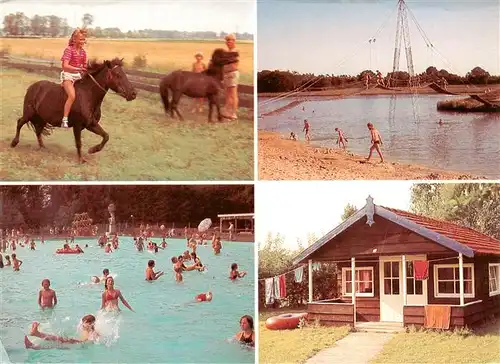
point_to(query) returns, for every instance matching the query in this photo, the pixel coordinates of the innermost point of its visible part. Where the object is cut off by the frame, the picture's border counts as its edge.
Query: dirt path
(355, 348)
(281, 159)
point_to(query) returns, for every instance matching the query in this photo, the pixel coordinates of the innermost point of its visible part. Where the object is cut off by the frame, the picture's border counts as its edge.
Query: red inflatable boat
(67, 251)
(287, 321)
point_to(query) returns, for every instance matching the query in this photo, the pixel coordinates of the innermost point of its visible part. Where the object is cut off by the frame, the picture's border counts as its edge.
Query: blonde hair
(78, 31)
(230, 37)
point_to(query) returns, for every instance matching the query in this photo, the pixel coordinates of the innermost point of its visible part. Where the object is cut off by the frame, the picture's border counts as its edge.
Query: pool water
(167, 327)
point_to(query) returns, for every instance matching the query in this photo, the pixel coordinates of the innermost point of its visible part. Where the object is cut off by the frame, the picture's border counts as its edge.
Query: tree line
(284, 81)
(474, 205)
(36, 206)
(19, 25)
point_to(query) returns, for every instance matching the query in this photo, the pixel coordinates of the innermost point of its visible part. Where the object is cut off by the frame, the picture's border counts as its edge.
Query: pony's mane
(95, 66)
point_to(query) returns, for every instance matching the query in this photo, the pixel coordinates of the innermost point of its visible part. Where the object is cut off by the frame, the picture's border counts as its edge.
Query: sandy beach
(281, 159)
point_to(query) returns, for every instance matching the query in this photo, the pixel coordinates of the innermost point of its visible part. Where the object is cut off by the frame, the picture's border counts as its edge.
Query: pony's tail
(164, 98)
(47, 129)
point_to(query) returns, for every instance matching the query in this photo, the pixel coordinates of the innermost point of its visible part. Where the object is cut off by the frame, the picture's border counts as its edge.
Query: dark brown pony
(204, 84)
(44, 102)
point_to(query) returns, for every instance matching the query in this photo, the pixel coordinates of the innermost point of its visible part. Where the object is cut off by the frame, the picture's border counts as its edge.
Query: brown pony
(205, 84)
(44, 101)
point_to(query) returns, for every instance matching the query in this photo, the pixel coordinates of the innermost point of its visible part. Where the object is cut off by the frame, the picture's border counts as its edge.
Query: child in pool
(197, 261)
(151, 275)
(47, 297)
(32, 244)
(246, 335)
(111, 295)
(105, 274)
(234, 274)
(204, 297)
(88, 335)
(7, 261)
(16, 263)
(177, 266)
(108, 249)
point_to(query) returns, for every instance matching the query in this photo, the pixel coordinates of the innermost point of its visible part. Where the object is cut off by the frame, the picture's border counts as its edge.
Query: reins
(97, 83)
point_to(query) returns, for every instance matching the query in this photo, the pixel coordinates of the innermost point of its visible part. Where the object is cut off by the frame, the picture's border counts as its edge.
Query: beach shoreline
(281, 159)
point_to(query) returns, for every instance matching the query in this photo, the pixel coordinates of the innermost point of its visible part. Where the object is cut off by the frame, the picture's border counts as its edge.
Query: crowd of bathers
(110, 297)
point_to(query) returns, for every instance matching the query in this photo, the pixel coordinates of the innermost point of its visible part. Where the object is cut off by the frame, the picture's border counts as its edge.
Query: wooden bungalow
(377, 249)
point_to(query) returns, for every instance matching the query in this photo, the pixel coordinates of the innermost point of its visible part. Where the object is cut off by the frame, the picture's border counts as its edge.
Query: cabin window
(413, 287)
(364, 282)
(447, 280)
(494, 275)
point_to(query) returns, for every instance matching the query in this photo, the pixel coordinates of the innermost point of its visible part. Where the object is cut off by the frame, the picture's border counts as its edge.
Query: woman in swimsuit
(111, 295)
(246, 335)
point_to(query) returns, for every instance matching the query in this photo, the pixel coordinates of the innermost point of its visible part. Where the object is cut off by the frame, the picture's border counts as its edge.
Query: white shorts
(231, 79)
(67, 76)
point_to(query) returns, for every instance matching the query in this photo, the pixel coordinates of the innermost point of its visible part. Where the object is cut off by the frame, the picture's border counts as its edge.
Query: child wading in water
(341, 140)
(376, 142)
(88, 334)
(47, 297)
(16, 263)
(307, 136)
(234, 272)
(198, 67)
(74, 62)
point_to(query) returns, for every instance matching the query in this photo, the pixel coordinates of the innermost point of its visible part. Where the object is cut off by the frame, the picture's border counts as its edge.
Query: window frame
(453, 295)
(358, 294)
(497, 266)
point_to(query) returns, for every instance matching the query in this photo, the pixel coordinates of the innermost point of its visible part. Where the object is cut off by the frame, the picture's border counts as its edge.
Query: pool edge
(4, 357)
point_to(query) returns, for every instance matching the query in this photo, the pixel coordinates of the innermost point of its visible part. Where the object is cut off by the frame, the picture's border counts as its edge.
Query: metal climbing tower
(402, 31)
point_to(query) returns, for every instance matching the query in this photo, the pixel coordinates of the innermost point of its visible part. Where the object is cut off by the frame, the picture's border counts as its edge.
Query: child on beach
(306, 128)
(293, 136)
(198, 67)
(341, 139)
(376, 140)
(88, 335)
(47, 297)
(74, 62)
(234, 274)
(246, 335)
(151, 275)
(204, 297)
(16, 263)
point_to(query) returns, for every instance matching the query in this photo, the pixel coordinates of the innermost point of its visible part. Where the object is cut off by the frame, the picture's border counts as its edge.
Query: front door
(391, 292)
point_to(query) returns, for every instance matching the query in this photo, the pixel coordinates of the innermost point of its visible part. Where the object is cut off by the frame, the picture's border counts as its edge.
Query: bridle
(107, 76)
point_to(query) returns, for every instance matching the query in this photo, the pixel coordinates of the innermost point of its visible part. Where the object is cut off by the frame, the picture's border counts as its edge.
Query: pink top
(75, 58)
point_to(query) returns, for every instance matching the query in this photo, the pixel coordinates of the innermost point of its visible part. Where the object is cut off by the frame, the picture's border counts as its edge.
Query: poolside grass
(421, 347)
(294, 346)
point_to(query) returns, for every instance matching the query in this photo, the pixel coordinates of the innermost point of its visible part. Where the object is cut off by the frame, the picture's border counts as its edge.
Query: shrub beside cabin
(409, 270)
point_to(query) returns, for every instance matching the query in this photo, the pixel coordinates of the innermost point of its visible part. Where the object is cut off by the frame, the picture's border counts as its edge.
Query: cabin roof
(450, 235)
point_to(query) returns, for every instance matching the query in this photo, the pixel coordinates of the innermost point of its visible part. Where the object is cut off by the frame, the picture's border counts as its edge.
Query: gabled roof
(450, 235)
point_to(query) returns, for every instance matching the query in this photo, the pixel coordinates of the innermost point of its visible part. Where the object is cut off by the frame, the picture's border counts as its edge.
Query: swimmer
(111, 295)
(77, 248)
(47, 297)
(341, 139)
(234, 274)
(88, 334)
(32, 244)
(246, 335)
(216, 245)
(376, 140)
(151, 275)
(204, 297)
(16, 263)
(108, 249)
(177, 267)
(197, 261)
(7, 261)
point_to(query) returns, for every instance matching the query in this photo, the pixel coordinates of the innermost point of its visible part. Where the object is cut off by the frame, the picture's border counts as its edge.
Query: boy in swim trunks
(74, 62)
(16, 263)
(376, 140)
(47, 297)
(151, 275)
(341, 139)
(198, 67)
(306, 128)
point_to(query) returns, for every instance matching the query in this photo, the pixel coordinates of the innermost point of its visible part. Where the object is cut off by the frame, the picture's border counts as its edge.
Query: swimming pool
(167, 326)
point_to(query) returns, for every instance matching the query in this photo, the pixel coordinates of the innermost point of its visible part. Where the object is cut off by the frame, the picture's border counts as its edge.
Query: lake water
(167, 327)
(468, 143)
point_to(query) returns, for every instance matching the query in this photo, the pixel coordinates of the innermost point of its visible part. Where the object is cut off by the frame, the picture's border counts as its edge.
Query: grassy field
(161, 55)
(445, 347)
(144, 143)
(294, 346)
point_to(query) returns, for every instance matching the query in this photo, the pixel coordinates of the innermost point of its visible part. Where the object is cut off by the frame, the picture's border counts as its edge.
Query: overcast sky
(296, 209)
(186, 15)
(316, 36)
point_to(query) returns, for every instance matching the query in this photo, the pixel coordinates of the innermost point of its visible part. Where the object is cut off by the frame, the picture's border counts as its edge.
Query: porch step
(384, 327)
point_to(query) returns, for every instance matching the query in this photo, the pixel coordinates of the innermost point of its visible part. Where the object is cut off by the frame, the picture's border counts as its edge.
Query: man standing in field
(231, 80)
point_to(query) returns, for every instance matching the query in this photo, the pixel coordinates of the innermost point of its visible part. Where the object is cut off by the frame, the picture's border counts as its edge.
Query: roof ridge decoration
(370, 210)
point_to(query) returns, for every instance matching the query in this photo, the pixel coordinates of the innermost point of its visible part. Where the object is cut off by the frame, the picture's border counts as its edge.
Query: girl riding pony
(74, 62)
